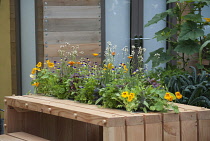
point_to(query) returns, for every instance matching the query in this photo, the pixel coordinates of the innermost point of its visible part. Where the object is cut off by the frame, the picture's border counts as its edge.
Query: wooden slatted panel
(76, 37)
(72, 12)
(76, 22)
(72, 2)
(72, 24)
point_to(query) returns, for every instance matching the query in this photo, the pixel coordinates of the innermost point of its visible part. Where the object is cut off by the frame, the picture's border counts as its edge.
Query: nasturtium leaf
(189, 30)
(188, 47)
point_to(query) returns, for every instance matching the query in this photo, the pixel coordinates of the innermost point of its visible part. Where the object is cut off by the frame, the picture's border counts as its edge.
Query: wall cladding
(77, 22)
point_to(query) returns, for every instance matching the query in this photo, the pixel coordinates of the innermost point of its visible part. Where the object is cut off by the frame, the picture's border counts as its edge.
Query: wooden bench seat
(20, 136)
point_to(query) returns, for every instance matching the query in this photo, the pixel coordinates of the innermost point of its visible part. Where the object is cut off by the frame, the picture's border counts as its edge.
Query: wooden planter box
(65, 120)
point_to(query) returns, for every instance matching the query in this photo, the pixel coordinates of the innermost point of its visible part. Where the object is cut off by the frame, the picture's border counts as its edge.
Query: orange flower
(71, 63)
(178, 95)
(39, 64)
(130, 57)
(113, 53)
(35, 84)
(207, 19)
(95, 54)
(33, 71)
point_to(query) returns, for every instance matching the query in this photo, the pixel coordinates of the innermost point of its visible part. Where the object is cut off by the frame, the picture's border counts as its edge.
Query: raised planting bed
(65, 120)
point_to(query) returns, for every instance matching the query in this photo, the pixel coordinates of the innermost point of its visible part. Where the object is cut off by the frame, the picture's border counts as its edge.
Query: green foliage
(186, 36)
(111, 86)
(195, 88)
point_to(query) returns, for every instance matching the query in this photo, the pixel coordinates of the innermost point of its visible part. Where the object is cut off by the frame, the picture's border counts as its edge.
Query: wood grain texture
(83, 49)
(76, 37)
(171, 127)
(71, 2)
(135, 133)
(114, 134)
(153, 127)
(26, 136)
(64, 129)
(68, 111)
(72, 24)
(9, 138)
(72, 12)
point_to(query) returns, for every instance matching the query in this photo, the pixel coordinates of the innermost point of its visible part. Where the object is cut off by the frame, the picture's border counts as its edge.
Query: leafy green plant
(109, 85)
(185, 37)
(195, 88)
(204, 52)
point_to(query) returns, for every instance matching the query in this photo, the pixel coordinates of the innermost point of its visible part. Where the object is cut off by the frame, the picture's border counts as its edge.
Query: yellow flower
(39, 64)
(35, 84)
(33, 71)
(167, 96)
(178, 95)
(51, 65)
(124, 94)
(130, 98)
(71, 63)
(132, 95)
(110, 66)
(95, 54)
(207, 19)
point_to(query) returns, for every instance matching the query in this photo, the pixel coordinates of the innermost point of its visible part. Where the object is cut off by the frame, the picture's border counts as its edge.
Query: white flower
(32, 76)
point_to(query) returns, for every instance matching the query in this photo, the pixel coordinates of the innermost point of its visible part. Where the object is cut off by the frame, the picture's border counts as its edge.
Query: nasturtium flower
(110, 66)
(130, 57)
(167, 96)
(95, 54)
(33, 71)
(130, 98)
(124, 94)
(39, 64)
(132, 95)
(207, 19)
(71, 63)
(50, 65)
(113, 53)
(35, 84)
(178, 95)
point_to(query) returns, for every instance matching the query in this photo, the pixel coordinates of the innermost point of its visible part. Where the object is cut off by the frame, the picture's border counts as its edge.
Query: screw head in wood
(5, 100)
(5, 125)
(75, 115)
(104, 121)
(49, 109)
(26, 104)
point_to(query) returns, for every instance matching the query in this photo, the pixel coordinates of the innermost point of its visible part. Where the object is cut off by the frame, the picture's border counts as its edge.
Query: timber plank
(75, 37)
(171, 127)
(153, 127)
(83, 50)
(9, 138)
(72, 12)
(72, 24)
(71, 2)
(131, 118)
(114, 133)
(68, 111)
(26, 136)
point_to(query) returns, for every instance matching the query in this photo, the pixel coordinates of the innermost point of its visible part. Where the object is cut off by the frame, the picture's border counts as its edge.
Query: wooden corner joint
(20, 110)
